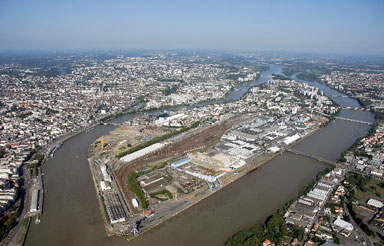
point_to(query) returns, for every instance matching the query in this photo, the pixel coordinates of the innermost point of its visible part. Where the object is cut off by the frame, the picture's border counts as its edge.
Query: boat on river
(56, 148)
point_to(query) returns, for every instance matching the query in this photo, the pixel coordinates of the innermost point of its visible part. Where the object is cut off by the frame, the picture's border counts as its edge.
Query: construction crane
(146, 213)
(101, 144)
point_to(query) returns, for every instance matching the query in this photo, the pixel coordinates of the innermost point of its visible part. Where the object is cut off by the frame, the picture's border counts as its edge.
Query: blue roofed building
(181, 162)
(329, 243)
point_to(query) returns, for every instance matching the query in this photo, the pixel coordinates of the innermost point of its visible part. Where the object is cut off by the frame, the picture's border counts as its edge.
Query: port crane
(101, 144)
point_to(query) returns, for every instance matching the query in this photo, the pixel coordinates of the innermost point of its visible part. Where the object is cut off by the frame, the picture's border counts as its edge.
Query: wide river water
(72, 215)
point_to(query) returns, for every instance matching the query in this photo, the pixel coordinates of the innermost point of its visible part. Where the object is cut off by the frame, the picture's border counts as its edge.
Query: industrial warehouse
(35, 201)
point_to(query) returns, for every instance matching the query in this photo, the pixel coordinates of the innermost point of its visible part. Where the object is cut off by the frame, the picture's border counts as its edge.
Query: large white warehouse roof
(142, 152)
(291, 139)
(343, 224)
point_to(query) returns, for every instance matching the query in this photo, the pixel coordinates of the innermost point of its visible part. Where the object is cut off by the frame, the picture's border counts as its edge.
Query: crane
(101, 144)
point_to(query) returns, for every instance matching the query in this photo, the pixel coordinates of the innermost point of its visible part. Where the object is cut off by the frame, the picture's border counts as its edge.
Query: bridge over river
(297, 152)
(352, 120)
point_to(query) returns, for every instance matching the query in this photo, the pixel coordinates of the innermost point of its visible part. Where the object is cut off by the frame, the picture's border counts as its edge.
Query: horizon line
(84, 50)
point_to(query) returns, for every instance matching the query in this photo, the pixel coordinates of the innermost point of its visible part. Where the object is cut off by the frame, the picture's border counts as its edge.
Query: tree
(336, 239)
(38, 157)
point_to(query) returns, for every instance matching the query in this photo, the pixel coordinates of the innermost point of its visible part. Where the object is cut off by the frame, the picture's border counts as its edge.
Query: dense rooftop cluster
(47, 98)
(37, 108)
(289, 96)
(367, 155)
(364, 84)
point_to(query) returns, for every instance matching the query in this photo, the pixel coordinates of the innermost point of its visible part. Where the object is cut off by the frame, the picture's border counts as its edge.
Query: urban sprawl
(186, 139)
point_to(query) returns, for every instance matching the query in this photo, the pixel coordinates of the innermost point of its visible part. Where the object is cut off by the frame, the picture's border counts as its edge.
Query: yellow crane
(101, 144)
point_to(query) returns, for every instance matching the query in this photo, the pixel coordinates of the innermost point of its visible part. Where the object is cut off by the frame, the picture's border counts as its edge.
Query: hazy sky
(337, 26)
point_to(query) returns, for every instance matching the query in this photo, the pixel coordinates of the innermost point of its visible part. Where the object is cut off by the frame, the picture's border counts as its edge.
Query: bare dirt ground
(126, 136)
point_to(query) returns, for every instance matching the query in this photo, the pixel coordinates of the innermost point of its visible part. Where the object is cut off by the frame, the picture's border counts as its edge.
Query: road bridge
(355, 108)
(352, 120)
(334, 96)
(313, 157)
(110, 123)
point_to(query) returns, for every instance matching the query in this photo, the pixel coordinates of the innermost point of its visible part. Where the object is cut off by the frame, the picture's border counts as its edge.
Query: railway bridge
(297, 152)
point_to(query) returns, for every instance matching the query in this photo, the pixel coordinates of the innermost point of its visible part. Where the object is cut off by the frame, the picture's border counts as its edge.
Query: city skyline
(349, 27)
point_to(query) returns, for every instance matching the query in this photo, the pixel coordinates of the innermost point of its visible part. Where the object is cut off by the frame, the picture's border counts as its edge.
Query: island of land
(156, 165)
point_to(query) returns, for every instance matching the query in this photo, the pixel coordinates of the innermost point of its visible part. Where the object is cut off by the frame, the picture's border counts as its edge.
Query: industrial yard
(174, 174)
(155, 165)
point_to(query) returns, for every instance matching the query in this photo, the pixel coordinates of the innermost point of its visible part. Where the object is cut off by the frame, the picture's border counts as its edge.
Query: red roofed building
(268, 243)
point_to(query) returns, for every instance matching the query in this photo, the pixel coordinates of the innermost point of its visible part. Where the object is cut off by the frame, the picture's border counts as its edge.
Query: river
(264, 77)
(340, 98)
(71, 211)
